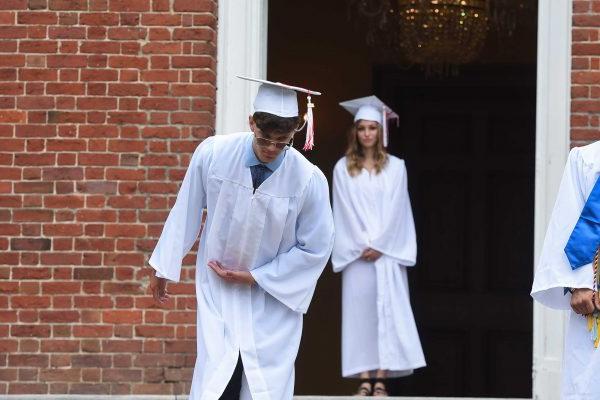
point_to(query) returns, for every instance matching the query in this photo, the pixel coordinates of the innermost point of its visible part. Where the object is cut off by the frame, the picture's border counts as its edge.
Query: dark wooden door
(469, 146)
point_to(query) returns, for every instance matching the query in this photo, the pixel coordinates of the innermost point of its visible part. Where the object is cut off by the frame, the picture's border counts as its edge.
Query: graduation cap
(370, 108)
(280, 99)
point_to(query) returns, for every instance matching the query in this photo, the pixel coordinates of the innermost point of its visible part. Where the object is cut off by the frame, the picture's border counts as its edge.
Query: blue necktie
(259, 173)
(585, 238)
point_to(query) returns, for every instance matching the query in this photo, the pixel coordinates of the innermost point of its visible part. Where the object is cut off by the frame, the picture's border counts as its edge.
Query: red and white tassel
(310, 126)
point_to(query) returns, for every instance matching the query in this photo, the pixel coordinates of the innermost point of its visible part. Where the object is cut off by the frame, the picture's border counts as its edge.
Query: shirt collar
(252, 160)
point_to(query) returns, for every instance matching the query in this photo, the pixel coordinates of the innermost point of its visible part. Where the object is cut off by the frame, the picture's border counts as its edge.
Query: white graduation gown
(283, 233)
(378, 327)
(581, 364)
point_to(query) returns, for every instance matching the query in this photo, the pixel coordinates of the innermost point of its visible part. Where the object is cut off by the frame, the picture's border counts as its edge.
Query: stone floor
(184, 397)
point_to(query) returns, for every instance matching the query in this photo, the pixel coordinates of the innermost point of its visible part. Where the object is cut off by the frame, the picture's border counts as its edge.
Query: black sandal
(379, 389)
(365, 388)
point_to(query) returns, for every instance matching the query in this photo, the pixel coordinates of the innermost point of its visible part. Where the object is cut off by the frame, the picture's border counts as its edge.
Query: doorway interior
(469, 145)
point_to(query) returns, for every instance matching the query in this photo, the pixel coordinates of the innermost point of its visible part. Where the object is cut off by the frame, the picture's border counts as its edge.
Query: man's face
(267, 146)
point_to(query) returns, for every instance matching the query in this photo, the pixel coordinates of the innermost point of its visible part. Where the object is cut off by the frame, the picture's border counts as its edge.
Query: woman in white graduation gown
(375, 243)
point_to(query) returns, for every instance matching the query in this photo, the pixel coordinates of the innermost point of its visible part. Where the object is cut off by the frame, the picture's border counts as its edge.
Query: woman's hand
(370, 255)
(159, 289)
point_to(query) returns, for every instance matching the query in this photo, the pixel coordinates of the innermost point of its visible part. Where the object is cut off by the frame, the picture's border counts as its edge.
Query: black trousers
(234, 387)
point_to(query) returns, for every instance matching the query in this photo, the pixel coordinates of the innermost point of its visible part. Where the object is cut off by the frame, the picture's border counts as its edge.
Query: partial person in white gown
(266, 240)
(375, 243)
(565, 277)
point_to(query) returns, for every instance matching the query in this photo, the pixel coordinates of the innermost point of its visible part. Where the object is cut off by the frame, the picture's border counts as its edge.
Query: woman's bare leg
(366, 387)
(379, 389)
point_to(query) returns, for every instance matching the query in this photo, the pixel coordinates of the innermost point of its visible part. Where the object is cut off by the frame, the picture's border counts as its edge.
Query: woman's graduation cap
(370, 108)
(280, 99)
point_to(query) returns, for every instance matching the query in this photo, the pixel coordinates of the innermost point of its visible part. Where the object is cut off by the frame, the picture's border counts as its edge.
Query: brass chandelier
(440, 35)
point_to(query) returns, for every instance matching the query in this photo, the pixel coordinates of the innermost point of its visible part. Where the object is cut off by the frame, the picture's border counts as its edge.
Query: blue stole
(585, 238)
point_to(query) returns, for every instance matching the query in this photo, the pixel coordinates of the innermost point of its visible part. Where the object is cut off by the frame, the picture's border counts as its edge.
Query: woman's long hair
(355, 155)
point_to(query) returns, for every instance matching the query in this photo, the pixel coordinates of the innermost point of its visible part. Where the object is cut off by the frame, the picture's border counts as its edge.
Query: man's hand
(583, 301)
(159, 289)
(243, 277)
(370, 255)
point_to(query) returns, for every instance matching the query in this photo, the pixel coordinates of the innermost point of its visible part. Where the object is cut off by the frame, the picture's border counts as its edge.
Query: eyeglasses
(264, 142)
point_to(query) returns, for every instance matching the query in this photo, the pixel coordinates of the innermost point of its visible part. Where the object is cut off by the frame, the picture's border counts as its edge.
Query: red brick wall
(585, 89)
(101, 104)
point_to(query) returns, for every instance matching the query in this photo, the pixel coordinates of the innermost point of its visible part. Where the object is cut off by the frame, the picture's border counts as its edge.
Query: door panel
(469, 146)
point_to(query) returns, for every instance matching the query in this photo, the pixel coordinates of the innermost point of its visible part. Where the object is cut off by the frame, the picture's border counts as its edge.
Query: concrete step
(185, 397)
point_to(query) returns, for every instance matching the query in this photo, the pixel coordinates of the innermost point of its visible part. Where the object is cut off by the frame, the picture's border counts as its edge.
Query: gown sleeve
(291, 277)
(554, 272)
(185, 219)
(398, 238)
(351, 237)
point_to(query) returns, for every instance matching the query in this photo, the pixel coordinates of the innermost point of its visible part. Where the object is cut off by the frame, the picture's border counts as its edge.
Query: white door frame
(242, 50)
(552, 147)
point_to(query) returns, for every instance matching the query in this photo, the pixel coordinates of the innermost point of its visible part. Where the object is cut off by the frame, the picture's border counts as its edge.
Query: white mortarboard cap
(276, 100)
(370, 108)
(280, 99)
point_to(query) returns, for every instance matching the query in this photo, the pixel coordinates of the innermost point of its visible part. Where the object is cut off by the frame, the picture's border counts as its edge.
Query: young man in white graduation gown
(267, 237)
(565, 278)
(375, 243)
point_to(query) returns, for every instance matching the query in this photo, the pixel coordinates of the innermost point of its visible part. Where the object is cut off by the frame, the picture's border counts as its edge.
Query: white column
(241, 50)
(552, 147)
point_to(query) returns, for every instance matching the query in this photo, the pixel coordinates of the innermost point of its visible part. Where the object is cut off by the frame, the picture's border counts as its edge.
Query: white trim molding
(552, 147)
(241, 50)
